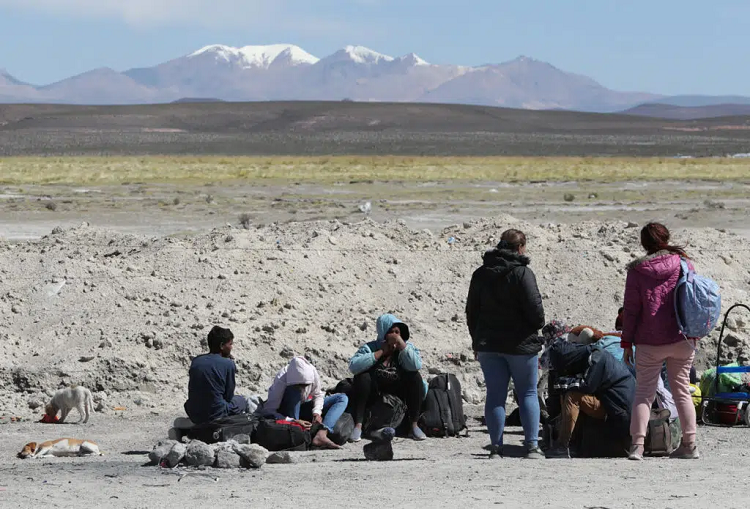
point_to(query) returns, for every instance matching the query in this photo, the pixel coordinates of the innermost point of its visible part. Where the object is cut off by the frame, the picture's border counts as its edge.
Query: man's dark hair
(217, 337)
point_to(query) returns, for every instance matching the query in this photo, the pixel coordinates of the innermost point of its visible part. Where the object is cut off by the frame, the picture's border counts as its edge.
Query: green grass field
(197, 170)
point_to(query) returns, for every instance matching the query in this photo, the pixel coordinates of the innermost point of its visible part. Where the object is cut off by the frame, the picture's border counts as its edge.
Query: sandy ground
(435, 473)
(438, 473)
(28, 212)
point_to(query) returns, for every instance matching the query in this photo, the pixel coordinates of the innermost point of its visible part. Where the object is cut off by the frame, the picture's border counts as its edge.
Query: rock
(227, 458)
(86, 358)
(732, 340)
(251, 455)
(35, 403)
(608, 256)
(175, 455)
(473, 396)
(57, 230)
(280, 458)
(732, 323)
(363, 326)
(200, 454)
(160, 451)
(241, 439)
(379, 451)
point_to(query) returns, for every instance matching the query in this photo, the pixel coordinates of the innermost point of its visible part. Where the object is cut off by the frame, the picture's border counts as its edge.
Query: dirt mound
(123, 314)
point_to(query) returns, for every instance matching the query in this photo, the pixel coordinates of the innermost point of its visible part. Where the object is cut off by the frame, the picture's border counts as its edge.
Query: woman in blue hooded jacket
(387, 365)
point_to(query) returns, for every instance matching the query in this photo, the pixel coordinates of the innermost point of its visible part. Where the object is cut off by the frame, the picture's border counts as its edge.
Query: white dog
(62, 447)
(65, 400)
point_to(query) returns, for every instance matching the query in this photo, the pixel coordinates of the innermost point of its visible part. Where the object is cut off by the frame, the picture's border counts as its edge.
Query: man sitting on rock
(296, 392)
(211, 385)
(388, 365)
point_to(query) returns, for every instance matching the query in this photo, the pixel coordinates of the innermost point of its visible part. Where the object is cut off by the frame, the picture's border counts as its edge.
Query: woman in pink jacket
(649, 322)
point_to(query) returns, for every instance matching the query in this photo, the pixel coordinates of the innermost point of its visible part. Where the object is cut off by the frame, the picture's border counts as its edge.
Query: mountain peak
(257, 56)
(412, 59)
(362, 55)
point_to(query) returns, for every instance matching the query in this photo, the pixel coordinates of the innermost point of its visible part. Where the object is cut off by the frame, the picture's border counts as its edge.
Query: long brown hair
(655, 237)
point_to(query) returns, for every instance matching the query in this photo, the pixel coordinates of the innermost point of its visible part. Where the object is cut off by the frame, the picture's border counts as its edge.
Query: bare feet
(321, 440)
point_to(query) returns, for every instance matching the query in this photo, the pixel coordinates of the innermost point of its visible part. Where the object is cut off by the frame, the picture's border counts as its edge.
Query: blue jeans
(498, 369)
(333, 407)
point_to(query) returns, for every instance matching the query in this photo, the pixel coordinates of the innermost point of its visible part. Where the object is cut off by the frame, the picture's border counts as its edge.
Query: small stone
(242, 439)
(252, 455)
(160, 451)
(35, 403)
(227, 458)
(731, 323)
(280, 458)
(87, 358)
(222, 276)
(363, 326)
(199, 454)
(332, 240)
(379, 451)
(57, 230)
(15, 309)
(608, 256)
(631, 224)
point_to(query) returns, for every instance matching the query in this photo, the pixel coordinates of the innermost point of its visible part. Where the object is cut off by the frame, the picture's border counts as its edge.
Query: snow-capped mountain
(288, 72)
(262, 57)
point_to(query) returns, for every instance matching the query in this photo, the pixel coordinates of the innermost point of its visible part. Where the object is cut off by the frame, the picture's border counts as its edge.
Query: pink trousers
(648, 363)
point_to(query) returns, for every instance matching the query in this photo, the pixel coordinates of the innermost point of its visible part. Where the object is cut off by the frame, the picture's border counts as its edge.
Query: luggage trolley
(737, 402)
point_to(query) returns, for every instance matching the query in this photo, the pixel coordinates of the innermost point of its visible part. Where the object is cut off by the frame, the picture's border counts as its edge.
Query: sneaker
(356, 435)
(383, 435)
(418, 434)
(686, 452)
(534, 453)
(496, 452)
(636, 453)
(558, 453)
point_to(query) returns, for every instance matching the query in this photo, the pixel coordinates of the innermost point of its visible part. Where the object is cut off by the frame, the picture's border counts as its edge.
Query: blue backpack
(697, 303)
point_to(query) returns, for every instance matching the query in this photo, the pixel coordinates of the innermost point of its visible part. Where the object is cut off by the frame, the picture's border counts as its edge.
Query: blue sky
(662, 46)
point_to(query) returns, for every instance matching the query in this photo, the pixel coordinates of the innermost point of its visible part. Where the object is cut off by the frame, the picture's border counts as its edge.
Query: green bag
(727, 381)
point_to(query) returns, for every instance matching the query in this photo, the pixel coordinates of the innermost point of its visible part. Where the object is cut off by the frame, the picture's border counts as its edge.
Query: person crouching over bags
(296, 395)
(388, 365)
(604, 391)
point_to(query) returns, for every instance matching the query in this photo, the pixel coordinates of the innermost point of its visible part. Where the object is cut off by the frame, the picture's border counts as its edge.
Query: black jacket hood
(504, 260)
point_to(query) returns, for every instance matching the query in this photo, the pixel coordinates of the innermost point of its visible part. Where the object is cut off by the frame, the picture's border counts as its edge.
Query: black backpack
(443, 414)
(387, 412)
(342, 430)
(223, 429)
(277, 436)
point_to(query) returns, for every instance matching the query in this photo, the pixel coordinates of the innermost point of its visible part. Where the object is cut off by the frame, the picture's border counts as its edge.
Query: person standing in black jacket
(504, 313)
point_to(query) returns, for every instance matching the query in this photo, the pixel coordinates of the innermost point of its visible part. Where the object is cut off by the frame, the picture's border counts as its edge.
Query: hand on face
(394, 339)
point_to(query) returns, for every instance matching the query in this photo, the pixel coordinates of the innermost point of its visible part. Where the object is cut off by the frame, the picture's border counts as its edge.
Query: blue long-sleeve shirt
(211, 388)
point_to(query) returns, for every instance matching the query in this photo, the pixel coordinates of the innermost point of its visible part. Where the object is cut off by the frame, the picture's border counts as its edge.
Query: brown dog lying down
(62, 447)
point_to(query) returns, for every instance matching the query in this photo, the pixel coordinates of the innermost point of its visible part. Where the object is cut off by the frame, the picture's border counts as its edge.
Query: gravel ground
(435, 473)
